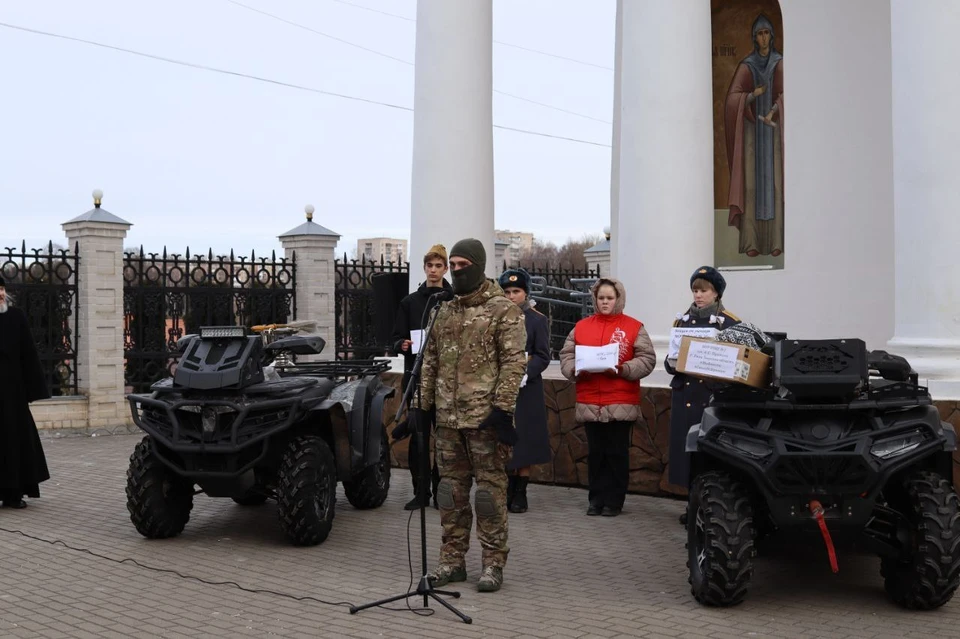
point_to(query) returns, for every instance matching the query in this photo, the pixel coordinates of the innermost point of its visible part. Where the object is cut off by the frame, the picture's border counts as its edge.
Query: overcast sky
(205, 159)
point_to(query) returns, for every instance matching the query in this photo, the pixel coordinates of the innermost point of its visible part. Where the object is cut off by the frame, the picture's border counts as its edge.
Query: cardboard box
(723, 361)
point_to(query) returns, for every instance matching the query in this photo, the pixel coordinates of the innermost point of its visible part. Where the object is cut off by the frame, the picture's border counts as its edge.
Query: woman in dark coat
(530, 416)
(691, 395)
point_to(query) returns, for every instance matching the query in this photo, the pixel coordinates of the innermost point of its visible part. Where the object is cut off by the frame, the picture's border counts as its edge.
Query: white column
(615, 142)
(664, 226)
(452, 185)
(926, 190)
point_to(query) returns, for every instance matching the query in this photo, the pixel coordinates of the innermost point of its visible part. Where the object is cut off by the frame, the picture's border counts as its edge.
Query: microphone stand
(424, 588)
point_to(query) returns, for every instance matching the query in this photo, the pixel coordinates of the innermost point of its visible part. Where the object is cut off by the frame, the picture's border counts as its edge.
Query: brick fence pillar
(315, 247)
(100, 235)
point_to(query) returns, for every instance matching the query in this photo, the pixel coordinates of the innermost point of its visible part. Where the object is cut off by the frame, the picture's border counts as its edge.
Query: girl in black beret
(691, 395)
(530, 416)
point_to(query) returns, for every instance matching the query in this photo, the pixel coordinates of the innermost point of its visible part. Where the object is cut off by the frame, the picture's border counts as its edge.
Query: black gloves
(401, 430)
(415, 417)
(502, 421)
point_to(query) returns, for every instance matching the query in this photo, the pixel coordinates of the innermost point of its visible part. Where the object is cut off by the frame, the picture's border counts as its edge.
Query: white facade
(926, 189)
(868, 240)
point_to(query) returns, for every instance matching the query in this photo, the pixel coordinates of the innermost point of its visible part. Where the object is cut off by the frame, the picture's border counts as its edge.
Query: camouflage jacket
(474, 357)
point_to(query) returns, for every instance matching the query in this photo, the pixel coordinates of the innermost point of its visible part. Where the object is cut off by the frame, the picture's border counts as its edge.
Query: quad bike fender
(340, 434)
(366, 422)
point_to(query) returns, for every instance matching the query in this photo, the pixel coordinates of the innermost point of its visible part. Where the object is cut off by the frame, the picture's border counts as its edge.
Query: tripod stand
(424, 588)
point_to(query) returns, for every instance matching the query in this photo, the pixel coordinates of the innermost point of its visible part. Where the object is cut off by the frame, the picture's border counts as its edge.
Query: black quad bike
(844, 445)
(241, 419)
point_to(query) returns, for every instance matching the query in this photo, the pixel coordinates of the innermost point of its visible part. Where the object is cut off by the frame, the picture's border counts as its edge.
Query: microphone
(443, 296)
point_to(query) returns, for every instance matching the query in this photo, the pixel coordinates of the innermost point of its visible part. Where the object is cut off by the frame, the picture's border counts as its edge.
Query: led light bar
(207, 332)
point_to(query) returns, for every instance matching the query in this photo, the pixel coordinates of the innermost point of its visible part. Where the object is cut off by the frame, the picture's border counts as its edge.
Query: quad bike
(241, 419)
(843, 444)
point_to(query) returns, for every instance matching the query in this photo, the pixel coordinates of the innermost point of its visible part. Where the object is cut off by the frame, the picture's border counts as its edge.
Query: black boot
(519, 504)
(511, 490)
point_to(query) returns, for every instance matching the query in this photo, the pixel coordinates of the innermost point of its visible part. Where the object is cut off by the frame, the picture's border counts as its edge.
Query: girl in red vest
(609, 403)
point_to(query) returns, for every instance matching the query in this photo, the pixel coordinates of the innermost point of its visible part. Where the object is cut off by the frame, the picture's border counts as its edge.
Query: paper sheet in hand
(677, 334)
(417, 338)
(597, 359)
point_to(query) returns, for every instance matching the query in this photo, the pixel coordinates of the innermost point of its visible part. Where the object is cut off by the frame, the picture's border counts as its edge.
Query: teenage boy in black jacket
(413, 316)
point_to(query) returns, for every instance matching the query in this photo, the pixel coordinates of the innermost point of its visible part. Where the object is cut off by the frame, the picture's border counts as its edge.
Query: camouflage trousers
(463, 454)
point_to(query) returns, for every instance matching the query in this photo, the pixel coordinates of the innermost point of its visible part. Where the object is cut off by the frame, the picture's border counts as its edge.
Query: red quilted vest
(600, 330)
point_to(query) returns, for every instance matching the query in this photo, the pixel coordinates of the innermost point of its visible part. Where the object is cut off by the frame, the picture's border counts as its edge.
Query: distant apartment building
(391, 249)
(517, 243)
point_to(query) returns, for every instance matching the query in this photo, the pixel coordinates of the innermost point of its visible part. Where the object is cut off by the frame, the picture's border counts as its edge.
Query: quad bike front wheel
(927, 573)
(370, 487)
(307, 490)
(720, 538)
(158, 499)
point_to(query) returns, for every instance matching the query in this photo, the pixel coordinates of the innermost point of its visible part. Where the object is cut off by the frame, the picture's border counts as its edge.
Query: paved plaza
(568, 575)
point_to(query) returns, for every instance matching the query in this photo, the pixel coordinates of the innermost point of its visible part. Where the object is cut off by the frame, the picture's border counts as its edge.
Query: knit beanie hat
(472, 249)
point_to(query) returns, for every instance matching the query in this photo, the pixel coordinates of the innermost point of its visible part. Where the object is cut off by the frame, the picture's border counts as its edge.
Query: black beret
(3, 282)
(711, 275)
(515, 278)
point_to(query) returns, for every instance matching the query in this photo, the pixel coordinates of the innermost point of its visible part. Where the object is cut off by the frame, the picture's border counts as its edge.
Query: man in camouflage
(472, 368)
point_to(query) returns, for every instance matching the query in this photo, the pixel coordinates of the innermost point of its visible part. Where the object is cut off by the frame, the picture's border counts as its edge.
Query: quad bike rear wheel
(927, 574)
(307, 490)
(720, 539)
(370, 487)
(158, 499)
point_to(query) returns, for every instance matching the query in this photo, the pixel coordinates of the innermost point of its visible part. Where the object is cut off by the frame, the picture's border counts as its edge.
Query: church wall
(838, 164)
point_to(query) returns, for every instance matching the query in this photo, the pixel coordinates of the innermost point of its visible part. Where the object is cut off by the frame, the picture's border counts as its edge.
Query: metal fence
(44, 283)
(560, 294)
(167, 296)
(354, 300)
(564, 307)
(563, 295)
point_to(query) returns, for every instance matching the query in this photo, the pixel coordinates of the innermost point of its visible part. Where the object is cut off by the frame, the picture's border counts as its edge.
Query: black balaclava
(467, 280)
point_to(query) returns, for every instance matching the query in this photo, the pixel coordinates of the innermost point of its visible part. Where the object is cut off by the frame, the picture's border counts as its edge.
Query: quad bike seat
(286, 385)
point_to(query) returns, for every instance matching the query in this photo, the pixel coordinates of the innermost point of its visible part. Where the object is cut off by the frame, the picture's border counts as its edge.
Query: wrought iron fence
(556, 276)
(562, 294)
(564, 307)
(44, 285)
(167, 296)
(559, 293)
(356, 333)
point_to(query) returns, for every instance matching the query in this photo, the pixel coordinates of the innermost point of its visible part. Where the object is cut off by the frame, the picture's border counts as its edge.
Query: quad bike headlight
(207, 332)
(748, 446)
(894, 446)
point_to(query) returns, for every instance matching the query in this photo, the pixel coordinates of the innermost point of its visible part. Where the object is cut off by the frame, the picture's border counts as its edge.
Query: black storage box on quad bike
(224, 363)
(820, 368)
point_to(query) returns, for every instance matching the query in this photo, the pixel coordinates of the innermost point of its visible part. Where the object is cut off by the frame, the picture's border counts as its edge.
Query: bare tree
(568, 256)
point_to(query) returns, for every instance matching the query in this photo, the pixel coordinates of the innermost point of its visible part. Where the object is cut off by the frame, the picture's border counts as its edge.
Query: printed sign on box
(723, 361)
(678, 333)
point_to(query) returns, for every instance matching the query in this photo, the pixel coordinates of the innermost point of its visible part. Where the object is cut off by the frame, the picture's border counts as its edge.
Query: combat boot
(445, 574)
(519, 502)
(490, 579)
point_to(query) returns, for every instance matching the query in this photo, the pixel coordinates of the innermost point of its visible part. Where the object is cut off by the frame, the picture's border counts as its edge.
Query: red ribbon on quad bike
(816, 508)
